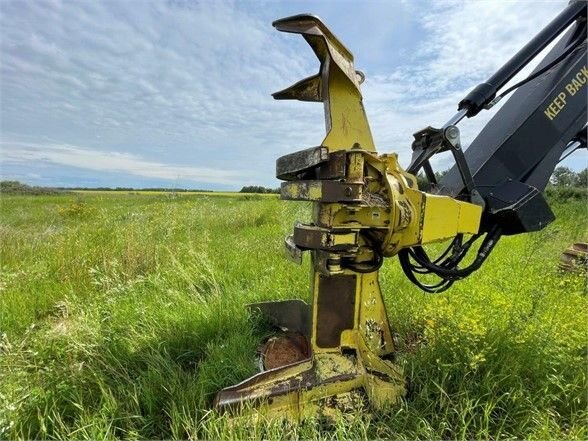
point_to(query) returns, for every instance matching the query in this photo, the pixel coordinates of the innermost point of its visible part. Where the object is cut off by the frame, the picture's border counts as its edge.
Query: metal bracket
(321, 191)
(312, 163)
(336, 84)
(311, 237)
(431, 141)
(289, 167)
(292, 251)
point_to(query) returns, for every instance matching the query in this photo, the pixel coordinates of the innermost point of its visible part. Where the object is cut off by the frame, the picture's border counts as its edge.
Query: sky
(178, 93)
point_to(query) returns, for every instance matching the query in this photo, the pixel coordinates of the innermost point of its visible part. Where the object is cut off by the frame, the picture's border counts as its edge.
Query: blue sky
(177, 93)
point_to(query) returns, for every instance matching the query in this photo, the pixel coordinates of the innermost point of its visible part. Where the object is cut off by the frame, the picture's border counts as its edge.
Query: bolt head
(452, 132)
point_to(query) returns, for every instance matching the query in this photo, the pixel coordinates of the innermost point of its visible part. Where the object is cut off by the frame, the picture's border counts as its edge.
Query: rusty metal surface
(313, 386)
(325, 46)
(302, 382)
(575, 257)
(336, 85)
(288, 167)
(262, 386)
(288, 315)
(336, 309)
(308, 89)
(335, 167)
(317, 238)
(283, 350)
(364, 206)
(323, 191)
(347, 328)
(293, 253)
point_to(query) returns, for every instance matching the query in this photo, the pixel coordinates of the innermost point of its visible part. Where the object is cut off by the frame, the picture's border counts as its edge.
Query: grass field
(121, 315)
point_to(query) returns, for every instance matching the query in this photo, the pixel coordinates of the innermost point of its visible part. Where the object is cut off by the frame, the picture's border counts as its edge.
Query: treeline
(15, 187)
(561, 177)
(258, 189)
(159, 189)
(563, 184)
(565, 177)
(566, 184)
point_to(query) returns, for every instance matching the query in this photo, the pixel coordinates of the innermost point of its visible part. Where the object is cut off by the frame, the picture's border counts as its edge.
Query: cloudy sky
(177, 93)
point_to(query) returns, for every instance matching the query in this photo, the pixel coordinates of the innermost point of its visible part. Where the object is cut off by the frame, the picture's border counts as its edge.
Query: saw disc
(283, 350)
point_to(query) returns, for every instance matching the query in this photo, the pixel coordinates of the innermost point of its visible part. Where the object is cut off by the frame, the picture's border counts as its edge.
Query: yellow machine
(365, 207)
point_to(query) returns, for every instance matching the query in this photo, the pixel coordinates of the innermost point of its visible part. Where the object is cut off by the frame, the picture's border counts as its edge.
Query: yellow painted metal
(423, 218)
(350, 337)
(346, 118)
(312, 191)
(411, 217)
(443, 217)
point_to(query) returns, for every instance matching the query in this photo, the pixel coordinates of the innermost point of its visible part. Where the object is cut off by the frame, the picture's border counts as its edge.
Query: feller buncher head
(366, 207)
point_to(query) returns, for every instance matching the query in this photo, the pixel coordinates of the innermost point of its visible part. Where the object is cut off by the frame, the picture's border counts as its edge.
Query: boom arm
(525, 139)
(508, 165)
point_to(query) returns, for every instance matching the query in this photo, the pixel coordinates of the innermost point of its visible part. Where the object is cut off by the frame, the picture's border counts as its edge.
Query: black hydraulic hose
(455, 243)
(540, 72)
(366, 267)
(488, 244)
(420, 255)
(408, 271)
(370, 266)
(447, 271)
(455, 259)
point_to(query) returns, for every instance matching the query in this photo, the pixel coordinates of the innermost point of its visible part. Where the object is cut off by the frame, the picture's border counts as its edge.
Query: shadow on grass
(135, 383)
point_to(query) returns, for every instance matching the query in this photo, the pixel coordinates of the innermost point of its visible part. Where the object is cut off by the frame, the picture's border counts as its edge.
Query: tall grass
(122, 315)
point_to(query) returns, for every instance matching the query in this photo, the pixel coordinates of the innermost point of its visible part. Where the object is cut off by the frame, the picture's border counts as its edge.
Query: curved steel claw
(336, 85)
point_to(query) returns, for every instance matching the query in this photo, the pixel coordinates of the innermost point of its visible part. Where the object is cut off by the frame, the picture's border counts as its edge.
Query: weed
(122, 315)
(76, 209)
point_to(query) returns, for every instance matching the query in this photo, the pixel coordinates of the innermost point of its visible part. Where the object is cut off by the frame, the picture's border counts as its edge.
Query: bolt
(348, 191)
(452, 132)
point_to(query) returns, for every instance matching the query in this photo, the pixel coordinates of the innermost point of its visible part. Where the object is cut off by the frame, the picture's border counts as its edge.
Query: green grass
(121, 315)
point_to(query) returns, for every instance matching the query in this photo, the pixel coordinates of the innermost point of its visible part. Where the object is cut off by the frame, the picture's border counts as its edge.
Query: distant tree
(424, 184)
(11, 186)
(582, 179)
(258, 189)
(564, 177)
(441, 174)
(16, 187)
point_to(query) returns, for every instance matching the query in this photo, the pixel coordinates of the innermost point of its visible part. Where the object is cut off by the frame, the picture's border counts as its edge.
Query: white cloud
(171, 83)
(463, 44)
(74, 156)
(147, 76)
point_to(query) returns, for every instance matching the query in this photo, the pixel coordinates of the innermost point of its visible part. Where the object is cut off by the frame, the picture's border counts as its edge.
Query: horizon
(177, 94)
(118, 188)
